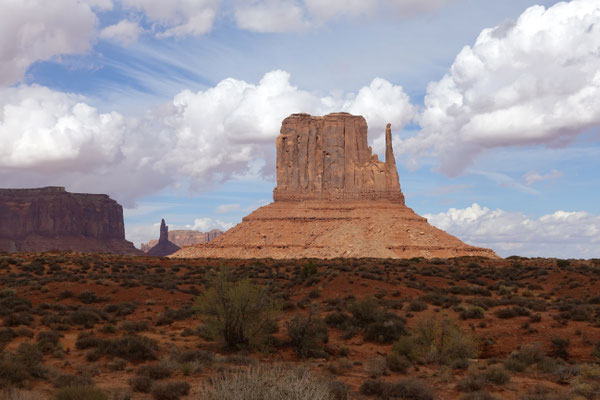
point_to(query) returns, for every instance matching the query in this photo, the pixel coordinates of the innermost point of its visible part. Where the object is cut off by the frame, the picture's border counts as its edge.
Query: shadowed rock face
(334, 198)
(164, 246)
(53, 219)
(328, 158)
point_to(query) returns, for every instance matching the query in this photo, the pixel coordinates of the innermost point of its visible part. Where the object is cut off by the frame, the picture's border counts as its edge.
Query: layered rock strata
(184, 237)
(164, 247)
(334, 198)
(51, 218)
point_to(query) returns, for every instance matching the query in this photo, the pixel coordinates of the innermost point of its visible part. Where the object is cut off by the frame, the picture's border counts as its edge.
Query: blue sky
(172, 108)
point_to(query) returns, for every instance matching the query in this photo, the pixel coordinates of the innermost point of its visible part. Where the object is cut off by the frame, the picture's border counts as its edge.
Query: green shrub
(241, 311)
(365, 311)
(80, 393)
(307, 334)
(23, 365)
(272, 382)
(472, 312)
(417, 305)
(397, 362)
(497, 375)
(437, 339)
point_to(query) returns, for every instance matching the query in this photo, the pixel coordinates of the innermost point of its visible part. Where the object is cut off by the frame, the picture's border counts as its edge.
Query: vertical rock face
(52, 218)
(328, 158)
(164, 246)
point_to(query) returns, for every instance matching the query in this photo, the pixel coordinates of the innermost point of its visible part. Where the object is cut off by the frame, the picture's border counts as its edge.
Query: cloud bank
(529, 82)
(561, 234)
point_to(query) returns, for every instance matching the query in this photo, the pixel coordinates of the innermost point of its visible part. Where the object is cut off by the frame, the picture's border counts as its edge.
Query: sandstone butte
(185, 237)
(51, 218)
(334, 198)
(164, 247)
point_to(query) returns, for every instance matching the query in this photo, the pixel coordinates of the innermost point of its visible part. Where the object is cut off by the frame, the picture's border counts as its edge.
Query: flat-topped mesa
(50, 218)
(328, 158)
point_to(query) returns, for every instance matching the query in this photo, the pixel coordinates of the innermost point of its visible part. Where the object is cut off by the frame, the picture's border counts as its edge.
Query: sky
(172, 108)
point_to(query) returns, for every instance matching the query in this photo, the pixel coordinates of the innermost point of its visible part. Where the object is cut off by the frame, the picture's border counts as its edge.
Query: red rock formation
(53, 219)
(164, 247)
(328, 158)
(184, 238)
(333, 199)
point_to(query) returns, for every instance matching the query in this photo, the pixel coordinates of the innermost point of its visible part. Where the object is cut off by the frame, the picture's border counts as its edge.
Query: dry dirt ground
(552, 306)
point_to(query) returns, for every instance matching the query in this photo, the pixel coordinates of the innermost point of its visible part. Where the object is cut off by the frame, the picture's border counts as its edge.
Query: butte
(334, 198)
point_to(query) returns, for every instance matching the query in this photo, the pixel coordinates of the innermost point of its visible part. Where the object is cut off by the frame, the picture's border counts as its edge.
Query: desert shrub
(560, 347)
(199, 356)
(133, 348)
(169, 390)
(154, 372)
(48, 340)
(437, 339)
(527, 355)
(66, 380)
(307, 334)
(339, 390)
(403, 389)
(596, 350)
(471, 383)
(168, 316)
(539, 392)
(397, 362)
(23, 365)
(472, 312)
(116, 364)
(386, 330)
(80, 393)
(15, 394)
(365, 311)
(18, 318)
(479, 395)
(140, 384)
(241, 311)
(417, 305)
(86, 340)
(497, 375)
(273, 382)
(88, 297)
(120, 309)
(133, 326)
(336, 318)
(85, 316)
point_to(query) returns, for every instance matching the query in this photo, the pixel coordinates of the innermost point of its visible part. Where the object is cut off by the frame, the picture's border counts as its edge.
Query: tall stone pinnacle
(164, 232)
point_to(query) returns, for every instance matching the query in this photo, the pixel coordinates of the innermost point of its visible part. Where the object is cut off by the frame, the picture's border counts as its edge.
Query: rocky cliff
(184, 238)
(328, 158)
(53, 219)
(164, 247)
(334, 198)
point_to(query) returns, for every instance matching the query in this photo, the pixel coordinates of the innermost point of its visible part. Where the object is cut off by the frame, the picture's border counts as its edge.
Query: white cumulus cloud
(270, 16)
(560, 234)
(532, 81)
(52, 131)
(207, 224)
(124, 32)
(35, 30)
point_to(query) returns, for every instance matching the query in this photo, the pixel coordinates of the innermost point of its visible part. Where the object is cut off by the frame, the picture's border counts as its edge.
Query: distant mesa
(334, 198)
(184, 238)
(164, 247)
(50, 218)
